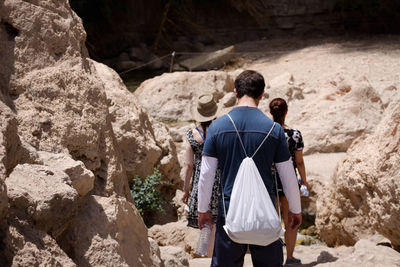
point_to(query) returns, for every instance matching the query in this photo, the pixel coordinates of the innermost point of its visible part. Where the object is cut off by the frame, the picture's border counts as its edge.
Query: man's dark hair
(250, 83)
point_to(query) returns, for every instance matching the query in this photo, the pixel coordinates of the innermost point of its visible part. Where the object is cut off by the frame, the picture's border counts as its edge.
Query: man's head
(250, 83)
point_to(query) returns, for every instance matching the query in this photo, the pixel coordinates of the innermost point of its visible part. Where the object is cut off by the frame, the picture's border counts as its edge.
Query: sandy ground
(309, 255)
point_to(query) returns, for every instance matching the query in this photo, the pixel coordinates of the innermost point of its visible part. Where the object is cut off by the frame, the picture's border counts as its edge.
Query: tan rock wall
(60, 145)
(144, 143)
(169, 97)
(108, 231)
(26, 246)
(364, 196)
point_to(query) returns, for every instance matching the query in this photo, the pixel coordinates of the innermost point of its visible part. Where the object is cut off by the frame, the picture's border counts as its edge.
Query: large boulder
(173, 256)
(144, 143)
(108, 231)
(209, 61)
(81, 179)
(320, 168)
(31, 247)
(176, 234)
(169, 97)
(57, 120)
(52, 81)
(332, 118)
(41, 196)
(364, 195)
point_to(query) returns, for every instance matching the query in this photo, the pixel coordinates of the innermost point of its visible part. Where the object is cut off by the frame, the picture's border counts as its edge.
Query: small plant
(146, 194)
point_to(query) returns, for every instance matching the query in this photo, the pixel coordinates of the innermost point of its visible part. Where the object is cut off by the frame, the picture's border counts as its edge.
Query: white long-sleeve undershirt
(207, 173)
(286, 173)
(290, 185)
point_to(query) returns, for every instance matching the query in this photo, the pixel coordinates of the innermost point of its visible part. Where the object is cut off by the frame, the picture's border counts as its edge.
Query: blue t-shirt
(223, 143)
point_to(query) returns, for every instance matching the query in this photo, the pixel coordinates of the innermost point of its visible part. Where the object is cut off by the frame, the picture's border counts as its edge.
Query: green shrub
(146, 194)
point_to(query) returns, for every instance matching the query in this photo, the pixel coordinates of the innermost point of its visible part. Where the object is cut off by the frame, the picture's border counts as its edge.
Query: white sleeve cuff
(206, 181)
(290, 185)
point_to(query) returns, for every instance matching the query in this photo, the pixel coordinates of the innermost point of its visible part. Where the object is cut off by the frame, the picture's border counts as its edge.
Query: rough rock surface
(58, 147)
(81, 179)
(31, 247)
(364, 196)
(108, 231)
(144, 143)
(174, 256)
(41, 196)
(209, 61)
(176, 234)
(169, 97)
(356, 100)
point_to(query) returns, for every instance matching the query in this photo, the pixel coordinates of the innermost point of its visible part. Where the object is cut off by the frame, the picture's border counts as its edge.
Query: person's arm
(298, 156)
(206, 181)
(289, 185)
(291, 190)
(189, 157)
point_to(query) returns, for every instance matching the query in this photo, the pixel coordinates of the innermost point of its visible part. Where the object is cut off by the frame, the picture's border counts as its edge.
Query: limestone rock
(81, 179)
(53, 82)
(180, 206)
(333, 120)
(173, 256)
(283, 86)
(155, 253)
(41, 195)
(363, 197)
(144, 143)
(367, 253)
(108, 232)
(176, 234)
(26, 246)
(170, 96)
(52, 101)
(209, 61)
(320, 168)
(36, 48)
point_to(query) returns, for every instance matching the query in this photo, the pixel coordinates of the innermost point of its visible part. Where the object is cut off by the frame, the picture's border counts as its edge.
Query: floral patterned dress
(192, 214)
(295, 142)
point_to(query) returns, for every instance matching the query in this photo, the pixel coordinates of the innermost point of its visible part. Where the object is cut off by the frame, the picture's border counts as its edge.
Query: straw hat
(206, 108)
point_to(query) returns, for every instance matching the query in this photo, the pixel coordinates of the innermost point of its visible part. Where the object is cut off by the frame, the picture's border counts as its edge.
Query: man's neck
(247, 101)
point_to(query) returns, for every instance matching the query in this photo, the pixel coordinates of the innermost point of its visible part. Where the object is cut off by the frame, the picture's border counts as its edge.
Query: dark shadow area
(70, 236)
(7, 43)
(133, 79)
(173, 25)
(324, 257)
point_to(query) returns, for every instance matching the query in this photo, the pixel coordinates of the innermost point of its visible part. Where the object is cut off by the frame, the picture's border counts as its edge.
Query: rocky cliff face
(63, 141)
(364, 196)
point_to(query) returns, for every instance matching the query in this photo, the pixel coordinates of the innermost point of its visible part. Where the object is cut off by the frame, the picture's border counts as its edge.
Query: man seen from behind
(222, 148)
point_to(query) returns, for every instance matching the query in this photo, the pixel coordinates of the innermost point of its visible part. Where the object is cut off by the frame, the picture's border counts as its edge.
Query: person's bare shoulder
(197, 136)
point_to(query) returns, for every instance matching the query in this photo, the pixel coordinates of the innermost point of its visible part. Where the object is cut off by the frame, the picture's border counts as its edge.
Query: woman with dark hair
(204, 112)
(278, 109)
